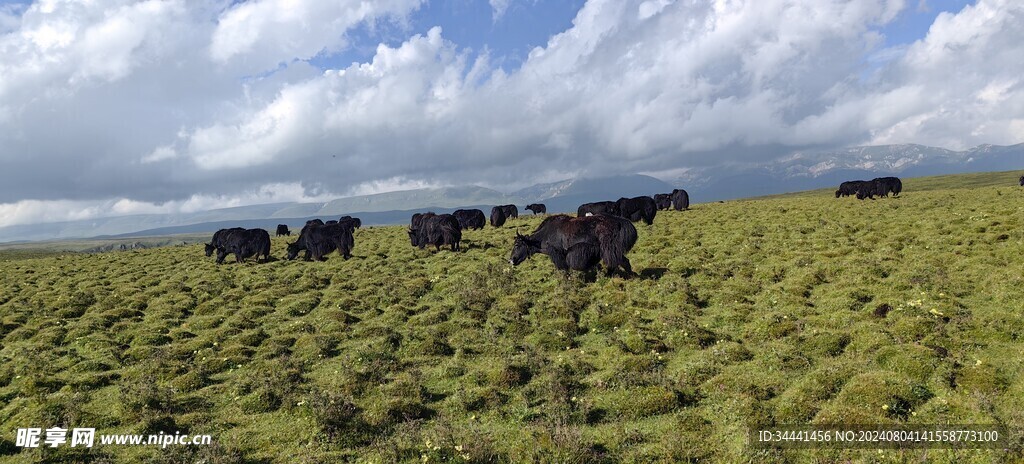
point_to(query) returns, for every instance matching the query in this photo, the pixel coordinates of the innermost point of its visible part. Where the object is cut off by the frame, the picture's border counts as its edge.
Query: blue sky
(913, 23)
(529, 23)
(525, 24)
(470, 24)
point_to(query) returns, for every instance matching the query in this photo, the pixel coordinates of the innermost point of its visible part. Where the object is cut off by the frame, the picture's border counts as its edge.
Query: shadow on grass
(653, 273)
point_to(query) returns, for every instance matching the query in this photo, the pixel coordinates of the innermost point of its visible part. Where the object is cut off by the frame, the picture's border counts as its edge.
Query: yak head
(209, 249)
(293, 250)
(522, 248)
(838, 192)
(414, 236)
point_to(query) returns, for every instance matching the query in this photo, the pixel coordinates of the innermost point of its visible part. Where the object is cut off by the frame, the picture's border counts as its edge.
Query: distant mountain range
(378, 209)
(799, 171)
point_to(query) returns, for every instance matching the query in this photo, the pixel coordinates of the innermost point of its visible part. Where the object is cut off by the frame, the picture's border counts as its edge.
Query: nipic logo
(33, 437)
(55, 436)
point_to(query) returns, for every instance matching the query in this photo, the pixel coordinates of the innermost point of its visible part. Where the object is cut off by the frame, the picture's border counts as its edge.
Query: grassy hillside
(9, 251)
(925, 184)
(784, 310)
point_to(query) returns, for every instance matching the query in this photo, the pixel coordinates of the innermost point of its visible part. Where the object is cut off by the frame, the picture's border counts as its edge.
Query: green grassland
(24, 250)
(786, 310)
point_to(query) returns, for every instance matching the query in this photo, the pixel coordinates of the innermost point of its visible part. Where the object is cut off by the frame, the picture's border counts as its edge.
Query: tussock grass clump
(786, 310)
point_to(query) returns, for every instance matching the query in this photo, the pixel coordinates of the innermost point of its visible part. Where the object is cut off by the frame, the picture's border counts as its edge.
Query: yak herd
(880, 186)
(603, 232)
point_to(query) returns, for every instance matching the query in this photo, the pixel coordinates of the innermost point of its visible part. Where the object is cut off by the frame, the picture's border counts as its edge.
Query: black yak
(537, 208)
(582, 256)
(637, 208)
(579, 243)
(470, 218)
(282, 230)
(607, 207)
(511, 211)
(417, 218)
(355, 222)
(850, 187)
(218, 239)
(865, 189)
(320, 240)
(663, 200)
(879, 186)
(497, 216)
(245, 244)
(437, 230)
(680, 199)
(886, 185)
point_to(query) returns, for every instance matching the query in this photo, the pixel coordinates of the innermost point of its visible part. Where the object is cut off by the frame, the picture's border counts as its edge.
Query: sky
(114, 107)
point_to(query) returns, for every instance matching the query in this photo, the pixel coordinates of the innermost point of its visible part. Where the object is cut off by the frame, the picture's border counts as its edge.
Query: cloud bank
(167, 105)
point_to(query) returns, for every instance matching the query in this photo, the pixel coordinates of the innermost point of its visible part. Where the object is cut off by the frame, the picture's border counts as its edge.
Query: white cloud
(36, 211)
(267, 32)
(393, 184)
(499, 8)
(673, 84)
(160, 154)
(184, 104)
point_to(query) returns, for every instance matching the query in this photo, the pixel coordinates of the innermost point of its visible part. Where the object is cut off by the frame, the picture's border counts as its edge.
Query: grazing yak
(637, 208)
(470, 219)
(437, 230)
(319, 240)
(537, 208)
(245, 244)
(511, 212)
(879, 186)
(356, 222)
(417, 219)
(680, 199)
(497, 216)
(282, 230)
(663, 200)
(886, 185)
(218, 239)
(589, 209)
(850, 187)
(580, 243)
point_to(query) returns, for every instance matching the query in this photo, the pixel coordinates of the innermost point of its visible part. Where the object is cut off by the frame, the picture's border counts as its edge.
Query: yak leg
(628, 268)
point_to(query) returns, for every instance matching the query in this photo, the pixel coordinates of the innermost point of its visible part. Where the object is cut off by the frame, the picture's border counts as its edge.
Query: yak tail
(344, 244)
(628, 235)
(613, 253)
(650, 210)
(451, 235)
